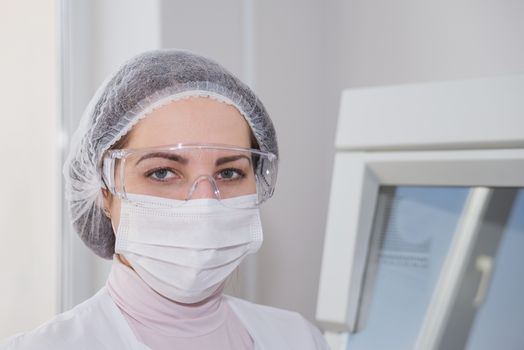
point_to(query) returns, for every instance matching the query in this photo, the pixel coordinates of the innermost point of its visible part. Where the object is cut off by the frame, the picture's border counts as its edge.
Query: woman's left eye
(230, 174)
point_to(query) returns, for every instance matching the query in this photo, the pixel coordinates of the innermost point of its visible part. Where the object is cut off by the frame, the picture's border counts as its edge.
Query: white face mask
(185, 252)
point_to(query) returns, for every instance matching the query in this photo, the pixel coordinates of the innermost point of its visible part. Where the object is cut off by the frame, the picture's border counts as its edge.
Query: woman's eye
(161, 174)
(230, 174)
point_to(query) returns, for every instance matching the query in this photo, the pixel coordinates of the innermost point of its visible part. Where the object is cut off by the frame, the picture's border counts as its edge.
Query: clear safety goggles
(191, 171)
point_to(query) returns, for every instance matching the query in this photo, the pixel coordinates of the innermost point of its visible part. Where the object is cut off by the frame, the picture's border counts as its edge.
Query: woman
(173, 157)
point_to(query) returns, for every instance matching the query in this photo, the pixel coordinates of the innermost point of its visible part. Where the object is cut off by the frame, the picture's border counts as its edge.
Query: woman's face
(193, 120)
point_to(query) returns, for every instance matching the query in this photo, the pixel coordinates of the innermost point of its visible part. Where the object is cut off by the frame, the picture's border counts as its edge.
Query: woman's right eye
(162, 174)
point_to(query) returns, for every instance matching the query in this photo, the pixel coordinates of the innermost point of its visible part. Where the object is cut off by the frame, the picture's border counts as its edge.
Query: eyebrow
(182, 160)
(170, 156)
(224, 160)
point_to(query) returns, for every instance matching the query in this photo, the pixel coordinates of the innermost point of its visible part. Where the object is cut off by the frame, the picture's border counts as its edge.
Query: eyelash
(151, 172)
(240, 173)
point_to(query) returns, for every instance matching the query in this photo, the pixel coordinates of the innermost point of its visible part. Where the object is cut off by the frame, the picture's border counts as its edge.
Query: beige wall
(29, 176)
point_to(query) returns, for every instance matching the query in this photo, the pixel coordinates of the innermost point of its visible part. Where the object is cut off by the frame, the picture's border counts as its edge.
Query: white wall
(29, 176)
(120, 29)
(294, 81)
(212, 28)
(99, 36)
(382, 42)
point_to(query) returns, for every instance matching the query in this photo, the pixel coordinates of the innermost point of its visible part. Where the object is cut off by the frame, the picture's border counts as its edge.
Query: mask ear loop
(197, 181)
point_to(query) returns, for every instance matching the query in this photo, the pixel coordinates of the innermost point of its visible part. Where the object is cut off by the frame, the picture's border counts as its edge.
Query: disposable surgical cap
(143, 84)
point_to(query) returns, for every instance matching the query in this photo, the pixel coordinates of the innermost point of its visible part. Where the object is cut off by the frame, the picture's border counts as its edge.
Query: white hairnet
(144, 83)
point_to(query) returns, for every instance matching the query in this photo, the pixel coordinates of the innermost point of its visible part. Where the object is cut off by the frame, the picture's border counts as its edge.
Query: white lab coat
(98, 324)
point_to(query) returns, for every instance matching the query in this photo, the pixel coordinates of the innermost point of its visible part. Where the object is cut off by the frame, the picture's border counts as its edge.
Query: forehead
(191, 120)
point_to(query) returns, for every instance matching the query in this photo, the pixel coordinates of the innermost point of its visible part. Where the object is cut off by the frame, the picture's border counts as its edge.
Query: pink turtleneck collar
(161, 323)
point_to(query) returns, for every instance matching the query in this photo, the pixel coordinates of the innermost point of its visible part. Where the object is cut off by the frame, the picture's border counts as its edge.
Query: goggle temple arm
(108, 171)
